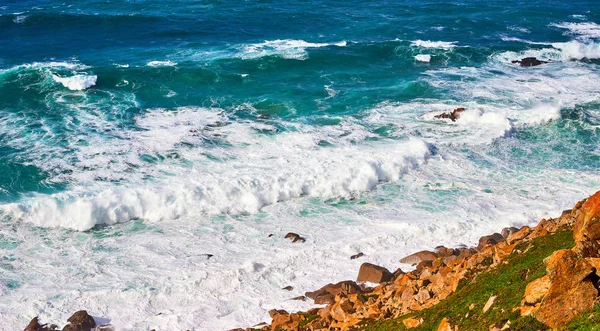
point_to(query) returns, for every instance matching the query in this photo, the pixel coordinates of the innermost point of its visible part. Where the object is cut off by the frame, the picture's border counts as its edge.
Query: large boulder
(492, 239)
(418, 257)
(586, 230)
(572, 288)
(373, 273)
(80, 321)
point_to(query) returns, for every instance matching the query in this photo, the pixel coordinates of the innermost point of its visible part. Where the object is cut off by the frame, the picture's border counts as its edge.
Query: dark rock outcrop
(453, 115)
(529, 62)
(295, 237)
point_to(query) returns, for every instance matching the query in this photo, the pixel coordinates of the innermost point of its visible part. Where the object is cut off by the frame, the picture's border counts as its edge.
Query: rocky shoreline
(569, 287)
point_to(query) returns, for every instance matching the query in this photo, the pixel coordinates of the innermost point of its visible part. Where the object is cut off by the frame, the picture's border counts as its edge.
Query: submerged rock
(529, 62)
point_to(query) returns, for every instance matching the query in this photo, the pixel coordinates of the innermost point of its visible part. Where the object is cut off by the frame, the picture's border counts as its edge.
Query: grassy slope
(508, 282)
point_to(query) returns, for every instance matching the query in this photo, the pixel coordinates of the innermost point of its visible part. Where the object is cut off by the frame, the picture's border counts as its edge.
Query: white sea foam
(20, 19)
(286, 48)
(167, 63)
(297, 167)
(155, 275)
(47, 65)
(423, 57)
(582, 30)
(574, 50)
(77, 82)
(434, 44)
(539, 114)
(519, 29)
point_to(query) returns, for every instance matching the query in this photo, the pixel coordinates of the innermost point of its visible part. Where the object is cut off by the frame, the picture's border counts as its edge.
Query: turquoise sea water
(136, 136)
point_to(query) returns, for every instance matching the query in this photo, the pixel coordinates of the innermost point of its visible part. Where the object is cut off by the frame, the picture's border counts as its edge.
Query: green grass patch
(309, 318)
(507, 281)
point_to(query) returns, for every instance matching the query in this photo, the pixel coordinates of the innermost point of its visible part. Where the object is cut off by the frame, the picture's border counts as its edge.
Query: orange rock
(412, 322)
(452, 260)
(571, 290)
(341, 309)
(519, 235)
(445, 325)
(536, 290)
(586, 230)
(280, 318)
(423, 295)
(527, 310)
(503, 250)
(404, 279)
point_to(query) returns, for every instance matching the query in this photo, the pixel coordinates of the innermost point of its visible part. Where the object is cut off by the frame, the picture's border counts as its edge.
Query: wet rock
(356, 256)
(508, 231)
(80, 320)
(489, 240)
(288, 288)
(105, 327)
(324, 299)
(300, 298)
(373, 273)
(419, 257)
(34, 325)
(453, 115)
(398, 273)
(295, 237)
(329, 291)
(442, 251)
(529, 62)
(208, 256)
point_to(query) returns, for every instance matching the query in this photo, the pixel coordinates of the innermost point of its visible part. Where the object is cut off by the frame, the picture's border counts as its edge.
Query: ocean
(139, 137)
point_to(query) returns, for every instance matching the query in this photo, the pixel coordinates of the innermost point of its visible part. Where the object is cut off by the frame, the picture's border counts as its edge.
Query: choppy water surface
(135, 137)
